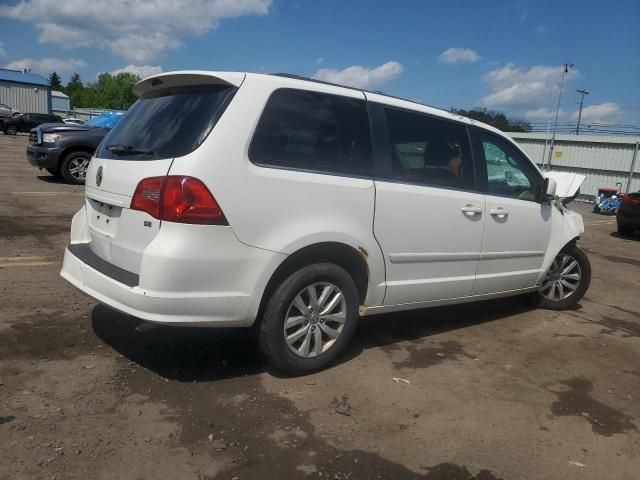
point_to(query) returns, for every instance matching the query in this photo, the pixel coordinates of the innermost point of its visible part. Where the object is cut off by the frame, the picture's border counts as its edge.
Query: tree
(108, 91)
(55, 82)
(115, 91)
(495, 119)
(74, 90)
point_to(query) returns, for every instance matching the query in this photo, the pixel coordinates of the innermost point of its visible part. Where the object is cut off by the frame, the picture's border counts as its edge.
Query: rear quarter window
(314, 131)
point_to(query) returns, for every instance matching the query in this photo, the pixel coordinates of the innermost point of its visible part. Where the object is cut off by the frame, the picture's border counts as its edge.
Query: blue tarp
(106, 119)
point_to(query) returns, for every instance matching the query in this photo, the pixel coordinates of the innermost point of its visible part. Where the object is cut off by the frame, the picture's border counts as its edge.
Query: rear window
(313, 131)
(166, 124)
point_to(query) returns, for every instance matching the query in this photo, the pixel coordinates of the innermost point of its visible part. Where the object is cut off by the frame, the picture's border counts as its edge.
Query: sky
(499, 55)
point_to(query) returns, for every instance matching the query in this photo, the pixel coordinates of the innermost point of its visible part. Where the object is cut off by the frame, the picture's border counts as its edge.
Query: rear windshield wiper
(128, 150)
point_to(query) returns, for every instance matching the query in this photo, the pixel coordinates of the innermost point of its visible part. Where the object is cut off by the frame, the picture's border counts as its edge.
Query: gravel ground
(495, 390)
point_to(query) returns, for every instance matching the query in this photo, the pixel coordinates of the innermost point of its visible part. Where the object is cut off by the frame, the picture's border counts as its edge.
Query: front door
(428, 218)
(517, 225)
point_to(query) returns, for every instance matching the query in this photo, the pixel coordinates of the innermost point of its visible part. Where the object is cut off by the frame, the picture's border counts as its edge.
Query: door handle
(499, 212)
(470, 209)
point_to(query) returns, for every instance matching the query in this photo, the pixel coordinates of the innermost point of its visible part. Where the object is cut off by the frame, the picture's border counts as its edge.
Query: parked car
(296, 206)
(65, 150)
(7, 112)
(74, 121)
(26, 121)
(628, 216)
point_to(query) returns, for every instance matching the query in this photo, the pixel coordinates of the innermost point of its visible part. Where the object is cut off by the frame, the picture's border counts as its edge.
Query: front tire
(566, 282)
(74, 167)
(11, 130)
(309, 319)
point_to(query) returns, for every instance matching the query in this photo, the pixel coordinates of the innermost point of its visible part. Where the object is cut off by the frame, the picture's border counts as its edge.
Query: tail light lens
(631, 199)
(178, 199)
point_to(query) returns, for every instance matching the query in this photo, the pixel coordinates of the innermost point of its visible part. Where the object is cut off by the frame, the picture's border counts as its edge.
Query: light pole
(565, 70)
(582, 93)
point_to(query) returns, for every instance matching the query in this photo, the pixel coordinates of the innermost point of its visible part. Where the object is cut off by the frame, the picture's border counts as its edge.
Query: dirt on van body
(494, 390)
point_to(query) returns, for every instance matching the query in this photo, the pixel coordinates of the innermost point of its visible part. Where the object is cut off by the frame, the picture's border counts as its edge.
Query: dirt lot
(497, 390)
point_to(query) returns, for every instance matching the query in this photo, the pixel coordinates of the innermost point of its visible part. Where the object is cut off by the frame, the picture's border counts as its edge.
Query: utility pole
(582, 93)
(565, 70)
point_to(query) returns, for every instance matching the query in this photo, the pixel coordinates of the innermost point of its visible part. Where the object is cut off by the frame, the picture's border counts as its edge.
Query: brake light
(178, 199)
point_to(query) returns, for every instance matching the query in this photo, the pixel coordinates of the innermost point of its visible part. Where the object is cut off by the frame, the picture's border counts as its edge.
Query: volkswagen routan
(297, 207)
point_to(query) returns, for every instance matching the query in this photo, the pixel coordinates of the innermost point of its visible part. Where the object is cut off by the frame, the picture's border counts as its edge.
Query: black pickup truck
(64, 150)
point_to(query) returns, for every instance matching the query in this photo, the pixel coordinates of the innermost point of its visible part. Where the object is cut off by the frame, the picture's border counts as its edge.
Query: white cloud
(543, 114)
(140, 48)
(513, 86)
(135, 30)
(3, 52)
(542, 29)
(143, 71)
(361, 77)
(319, 60)
(607, 112)
(47, 65)
(459, 55)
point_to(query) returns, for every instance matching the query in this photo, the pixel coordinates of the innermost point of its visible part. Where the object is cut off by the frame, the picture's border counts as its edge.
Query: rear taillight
(630, 200)
(177, 199)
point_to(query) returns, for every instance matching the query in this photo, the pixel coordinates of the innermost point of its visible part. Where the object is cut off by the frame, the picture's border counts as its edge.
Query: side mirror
(550, 187)
(548, 190)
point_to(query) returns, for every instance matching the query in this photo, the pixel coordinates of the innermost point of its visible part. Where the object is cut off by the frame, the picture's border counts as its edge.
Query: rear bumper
(206, 278)
(43, 157)
(224, 310)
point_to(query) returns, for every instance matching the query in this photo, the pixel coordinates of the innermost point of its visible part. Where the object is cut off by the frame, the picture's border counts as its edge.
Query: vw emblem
(99, 176)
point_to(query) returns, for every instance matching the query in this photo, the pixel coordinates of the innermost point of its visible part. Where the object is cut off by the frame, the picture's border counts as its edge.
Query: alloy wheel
(315, 319)
(78, 168)
(562, 279)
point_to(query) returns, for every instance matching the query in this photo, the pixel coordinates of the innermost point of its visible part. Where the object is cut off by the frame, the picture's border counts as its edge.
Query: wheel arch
(73, 149)
(352, 260)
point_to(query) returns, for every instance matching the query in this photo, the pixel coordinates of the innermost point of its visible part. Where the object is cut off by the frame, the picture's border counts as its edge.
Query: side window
(509, 174)
(313, 131)
(429, 151)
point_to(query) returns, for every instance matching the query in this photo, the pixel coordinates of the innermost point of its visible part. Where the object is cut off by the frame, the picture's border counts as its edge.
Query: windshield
(166, 124)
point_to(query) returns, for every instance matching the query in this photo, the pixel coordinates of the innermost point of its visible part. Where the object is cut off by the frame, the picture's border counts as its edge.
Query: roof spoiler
(185, 78)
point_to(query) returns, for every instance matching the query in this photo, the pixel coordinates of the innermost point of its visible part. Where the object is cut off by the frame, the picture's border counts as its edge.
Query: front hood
(567, 183)
(61, 127)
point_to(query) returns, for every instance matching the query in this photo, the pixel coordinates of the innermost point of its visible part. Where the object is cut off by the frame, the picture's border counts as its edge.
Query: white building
(59, 101)
(606, 160)
(24, 91)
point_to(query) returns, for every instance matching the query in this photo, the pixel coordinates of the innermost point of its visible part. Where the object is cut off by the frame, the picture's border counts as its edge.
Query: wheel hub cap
(315, 319)
(562, 279)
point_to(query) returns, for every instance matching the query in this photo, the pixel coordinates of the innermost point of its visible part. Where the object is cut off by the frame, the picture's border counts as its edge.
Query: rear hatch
(173, 116)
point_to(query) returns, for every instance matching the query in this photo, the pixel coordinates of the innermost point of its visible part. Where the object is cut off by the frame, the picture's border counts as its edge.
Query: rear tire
(74, 167)
(566, 282)
(11, 130)
(624, 230)
(326, 324)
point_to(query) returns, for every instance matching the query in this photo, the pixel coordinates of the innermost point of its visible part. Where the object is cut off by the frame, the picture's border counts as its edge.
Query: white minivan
(296, 206)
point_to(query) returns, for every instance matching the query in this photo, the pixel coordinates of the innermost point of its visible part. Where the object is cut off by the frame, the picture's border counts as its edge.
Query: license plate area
(103, 217)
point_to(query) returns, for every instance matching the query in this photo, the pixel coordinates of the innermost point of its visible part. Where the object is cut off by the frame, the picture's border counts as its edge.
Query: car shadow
(50, 179)
(633, 236)
(193, 354)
